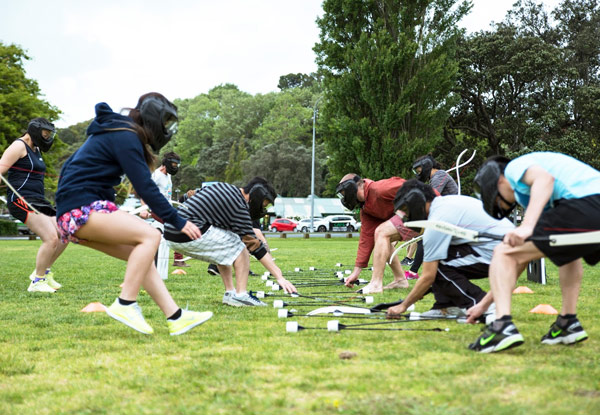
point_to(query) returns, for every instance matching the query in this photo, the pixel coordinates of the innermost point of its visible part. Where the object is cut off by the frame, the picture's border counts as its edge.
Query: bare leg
(242, 267)
(51, 248)
(109, 232)
(506, 266)
(154, 286)
(570, 276)
(384, 235)
(410, 252)
(227, 276)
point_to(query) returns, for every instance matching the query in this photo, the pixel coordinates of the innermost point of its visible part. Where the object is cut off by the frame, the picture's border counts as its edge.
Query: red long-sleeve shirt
(378, 207)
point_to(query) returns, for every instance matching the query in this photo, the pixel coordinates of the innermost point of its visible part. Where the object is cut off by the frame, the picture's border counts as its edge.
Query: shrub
(8, 228)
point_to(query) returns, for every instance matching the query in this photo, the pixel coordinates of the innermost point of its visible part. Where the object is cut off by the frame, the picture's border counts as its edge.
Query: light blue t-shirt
(573, 179)
(466, 212)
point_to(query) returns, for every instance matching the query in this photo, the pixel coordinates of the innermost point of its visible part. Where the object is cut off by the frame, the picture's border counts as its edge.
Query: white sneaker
(41, 286)
(227, 299)
(246, 300)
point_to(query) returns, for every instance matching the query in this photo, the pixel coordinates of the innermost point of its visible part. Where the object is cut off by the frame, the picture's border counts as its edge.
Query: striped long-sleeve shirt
(221, 205)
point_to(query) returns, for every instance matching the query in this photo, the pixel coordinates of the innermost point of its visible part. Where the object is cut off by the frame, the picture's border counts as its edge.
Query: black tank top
(27, 175)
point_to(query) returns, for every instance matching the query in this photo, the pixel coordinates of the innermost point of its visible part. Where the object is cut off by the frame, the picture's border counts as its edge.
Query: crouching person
(224, 214)
(450, 263)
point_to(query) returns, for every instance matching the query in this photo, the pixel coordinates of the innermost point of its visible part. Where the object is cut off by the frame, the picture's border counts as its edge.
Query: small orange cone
(179, 271)
(94, 307)
(543, 309)
(522, 290)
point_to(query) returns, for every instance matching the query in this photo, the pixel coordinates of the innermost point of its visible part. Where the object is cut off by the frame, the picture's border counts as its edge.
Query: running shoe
(571, 333)
(496, 340)
(409, 275)
(51, 281)
(450, 312)
(246, 300)
(187, 321)
(40, 286)
(407, 262)
(130, 315)
(213, 270)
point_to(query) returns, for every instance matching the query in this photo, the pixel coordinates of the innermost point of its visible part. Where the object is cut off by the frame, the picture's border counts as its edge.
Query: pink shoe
(409, 275)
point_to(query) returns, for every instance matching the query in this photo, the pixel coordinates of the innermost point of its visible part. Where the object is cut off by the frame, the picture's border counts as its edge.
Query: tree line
(395, 80)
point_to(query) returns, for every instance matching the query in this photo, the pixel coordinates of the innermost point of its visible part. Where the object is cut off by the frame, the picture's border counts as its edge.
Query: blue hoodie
(96, 168)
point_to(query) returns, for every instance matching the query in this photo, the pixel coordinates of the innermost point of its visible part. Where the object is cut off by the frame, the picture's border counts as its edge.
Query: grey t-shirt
(466, 212)
(443, 183)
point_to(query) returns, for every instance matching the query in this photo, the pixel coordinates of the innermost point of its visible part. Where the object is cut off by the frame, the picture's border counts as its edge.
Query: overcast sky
(85, 52)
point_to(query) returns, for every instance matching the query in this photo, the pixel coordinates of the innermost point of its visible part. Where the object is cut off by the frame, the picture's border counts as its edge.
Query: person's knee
(382, 234)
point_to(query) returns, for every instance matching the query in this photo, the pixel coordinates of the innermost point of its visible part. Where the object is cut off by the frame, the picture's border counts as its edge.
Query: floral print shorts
(70, 222)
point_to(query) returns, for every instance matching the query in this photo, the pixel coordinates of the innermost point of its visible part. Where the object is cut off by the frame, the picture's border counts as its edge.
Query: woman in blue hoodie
(87, 214)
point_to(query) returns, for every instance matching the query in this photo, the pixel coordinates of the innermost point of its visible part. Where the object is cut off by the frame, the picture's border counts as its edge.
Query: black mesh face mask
(486, 188)
(160, 116)
(42, 133)
(413, 204)
(347, 192)
(257, 196)
(426, 165)
(172, 165)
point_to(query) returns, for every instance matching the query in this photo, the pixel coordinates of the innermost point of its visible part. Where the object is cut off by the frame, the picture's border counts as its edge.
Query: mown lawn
(55, 359)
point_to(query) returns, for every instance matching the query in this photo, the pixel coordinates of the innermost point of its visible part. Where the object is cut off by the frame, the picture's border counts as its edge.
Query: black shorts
(452, 286)
(568, 216)
(20, 210)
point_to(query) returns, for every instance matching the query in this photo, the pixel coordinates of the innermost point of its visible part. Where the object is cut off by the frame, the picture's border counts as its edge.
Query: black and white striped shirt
(221, 205)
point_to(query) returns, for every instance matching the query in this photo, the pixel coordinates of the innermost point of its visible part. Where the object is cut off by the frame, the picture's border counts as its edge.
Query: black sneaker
(497, 340)
(570, 334)
(212, 269)
(407, 262)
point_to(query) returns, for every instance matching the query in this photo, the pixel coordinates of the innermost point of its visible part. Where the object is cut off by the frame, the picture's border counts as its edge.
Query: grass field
(55, 359)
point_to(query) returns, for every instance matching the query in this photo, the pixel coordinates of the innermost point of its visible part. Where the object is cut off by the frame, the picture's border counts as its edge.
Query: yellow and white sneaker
(187, 321)
(49, 279)
(41, 286)
(130, 315)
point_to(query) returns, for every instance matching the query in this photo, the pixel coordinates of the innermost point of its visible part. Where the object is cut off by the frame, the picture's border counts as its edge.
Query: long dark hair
(143, 132)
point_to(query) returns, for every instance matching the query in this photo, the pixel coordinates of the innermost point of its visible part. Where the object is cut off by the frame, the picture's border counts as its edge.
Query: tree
(297, 80)
(20, 97)
(388, 69)
(529, 86)
(288, 168)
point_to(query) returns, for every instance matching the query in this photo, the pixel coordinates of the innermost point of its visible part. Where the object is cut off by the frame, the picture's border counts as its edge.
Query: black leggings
(418, 260)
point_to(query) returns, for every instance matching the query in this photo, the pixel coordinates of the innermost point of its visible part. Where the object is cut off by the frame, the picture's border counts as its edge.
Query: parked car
(304, 225)
(341, 223)
(282, 224)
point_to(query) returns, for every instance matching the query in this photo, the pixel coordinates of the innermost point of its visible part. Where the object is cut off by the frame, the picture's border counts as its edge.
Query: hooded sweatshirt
(96, 168)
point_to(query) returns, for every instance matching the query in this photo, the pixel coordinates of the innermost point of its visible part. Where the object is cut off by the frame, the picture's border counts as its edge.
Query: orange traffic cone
(179, 271)
(522, 290)
(94, 307)
(543, 309)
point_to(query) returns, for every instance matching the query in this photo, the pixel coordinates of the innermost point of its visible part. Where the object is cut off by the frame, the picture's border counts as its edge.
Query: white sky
(86, 52)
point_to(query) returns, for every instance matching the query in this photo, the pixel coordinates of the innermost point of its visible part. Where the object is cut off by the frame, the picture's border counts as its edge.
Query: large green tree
(532, 83)
(388, 70)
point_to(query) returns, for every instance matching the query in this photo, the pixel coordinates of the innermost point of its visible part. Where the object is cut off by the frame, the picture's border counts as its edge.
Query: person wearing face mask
(560, 195)
(451, 263)
(427, 170)
(26, 169)
(117, 145)
(225, 213)
(380, 227)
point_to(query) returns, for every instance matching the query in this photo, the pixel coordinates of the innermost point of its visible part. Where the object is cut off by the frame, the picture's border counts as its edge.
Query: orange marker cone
(543, 309)
(94, 307)
(179, 271)
(522, 290)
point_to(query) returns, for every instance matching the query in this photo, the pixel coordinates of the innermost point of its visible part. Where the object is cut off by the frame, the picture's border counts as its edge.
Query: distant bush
(8, 228)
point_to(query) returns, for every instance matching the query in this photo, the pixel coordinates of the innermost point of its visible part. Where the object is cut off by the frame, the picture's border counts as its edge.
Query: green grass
(56, 360)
